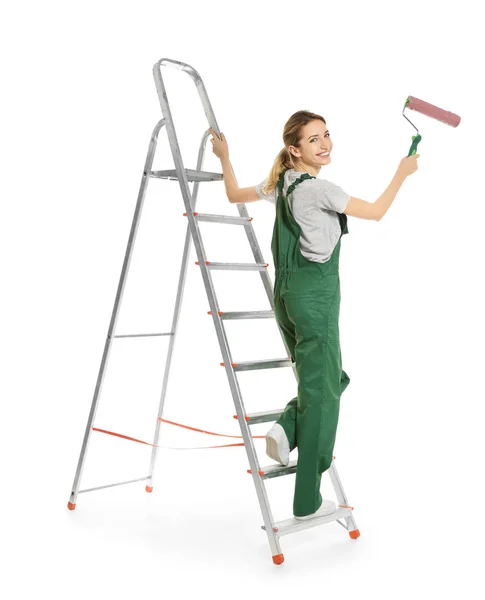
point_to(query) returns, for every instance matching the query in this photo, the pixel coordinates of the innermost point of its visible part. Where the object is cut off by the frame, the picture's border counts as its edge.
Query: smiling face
(315, 140)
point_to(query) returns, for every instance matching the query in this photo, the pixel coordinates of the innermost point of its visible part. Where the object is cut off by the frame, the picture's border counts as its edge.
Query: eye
(313, 139)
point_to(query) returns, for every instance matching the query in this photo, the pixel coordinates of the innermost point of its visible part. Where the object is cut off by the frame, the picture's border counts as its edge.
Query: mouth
(323, 154)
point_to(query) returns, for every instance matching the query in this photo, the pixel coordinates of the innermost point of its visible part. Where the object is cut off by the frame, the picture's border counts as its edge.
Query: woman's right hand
(219, 145)
(408, 165)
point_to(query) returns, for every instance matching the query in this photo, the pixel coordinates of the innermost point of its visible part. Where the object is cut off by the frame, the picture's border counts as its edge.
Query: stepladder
(260, 474)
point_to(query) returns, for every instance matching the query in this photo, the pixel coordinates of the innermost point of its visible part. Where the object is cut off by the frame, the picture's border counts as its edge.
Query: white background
(78, 108)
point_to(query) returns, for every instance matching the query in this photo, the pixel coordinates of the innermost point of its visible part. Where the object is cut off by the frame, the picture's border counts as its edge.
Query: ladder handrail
(177, 157)
(199, 84)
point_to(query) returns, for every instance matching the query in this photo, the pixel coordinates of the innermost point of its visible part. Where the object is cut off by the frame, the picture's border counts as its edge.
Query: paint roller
(429, 110)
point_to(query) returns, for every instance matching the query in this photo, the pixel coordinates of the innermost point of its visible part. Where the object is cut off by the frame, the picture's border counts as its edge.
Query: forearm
(385, 200)
(229, 177)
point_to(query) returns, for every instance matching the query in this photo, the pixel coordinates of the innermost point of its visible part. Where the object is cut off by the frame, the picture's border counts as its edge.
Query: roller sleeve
(433, 111)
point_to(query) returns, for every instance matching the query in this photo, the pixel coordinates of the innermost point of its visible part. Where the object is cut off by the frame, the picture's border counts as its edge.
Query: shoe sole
(272, 450)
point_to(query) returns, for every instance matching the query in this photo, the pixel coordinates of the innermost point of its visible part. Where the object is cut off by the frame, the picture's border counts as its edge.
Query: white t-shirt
(314, 205)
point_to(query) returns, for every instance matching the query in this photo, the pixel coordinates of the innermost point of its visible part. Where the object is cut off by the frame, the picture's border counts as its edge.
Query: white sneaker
(327, 508)
(277, 445)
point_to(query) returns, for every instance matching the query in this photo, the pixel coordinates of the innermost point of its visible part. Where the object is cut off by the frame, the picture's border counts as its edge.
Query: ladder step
(293, 525)
(235, 266)
(277, 470)
(262, 417)
(226, 219)
(261, 364)
(192, 175)
(254, 314)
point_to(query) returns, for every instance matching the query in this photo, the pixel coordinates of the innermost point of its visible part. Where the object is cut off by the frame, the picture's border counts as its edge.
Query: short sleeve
(270, 197)
(330, 196)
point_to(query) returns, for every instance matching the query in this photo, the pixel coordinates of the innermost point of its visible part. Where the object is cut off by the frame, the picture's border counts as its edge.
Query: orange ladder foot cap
(71, 506)
(148, 489)
(354, 534)
(278, 559)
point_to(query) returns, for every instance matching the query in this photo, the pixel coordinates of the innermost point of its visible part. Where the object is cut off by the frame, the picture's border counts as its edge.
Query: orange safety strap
(126, 437)
(203, 430)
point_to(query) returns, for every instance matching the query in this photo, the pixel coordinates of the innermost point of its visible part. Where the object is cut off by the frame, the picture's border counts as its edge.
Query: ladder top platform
(192, 175)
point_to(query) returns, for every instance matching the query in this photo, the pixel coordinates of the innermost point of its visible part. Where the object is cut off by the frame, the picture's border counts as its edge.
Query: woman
(311, 217)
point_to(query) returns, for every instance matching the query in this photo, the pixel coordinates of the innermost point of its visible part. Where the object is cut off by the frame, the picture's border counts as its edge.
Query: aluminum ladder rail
(274, 530)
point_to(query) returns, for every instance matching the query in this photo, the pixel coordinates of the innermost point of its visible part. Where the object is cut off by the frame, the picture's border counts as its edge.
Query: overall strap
(294, 184)
(342, 217)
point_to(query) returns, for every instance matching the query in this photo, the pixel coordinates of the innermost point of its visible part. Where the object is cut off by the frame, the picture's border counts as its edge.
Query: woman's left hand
(219, 146)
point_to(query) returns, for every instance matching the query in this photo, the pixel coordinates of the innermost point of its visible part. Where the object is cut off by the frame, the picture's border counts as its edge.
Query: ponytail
(283, 161)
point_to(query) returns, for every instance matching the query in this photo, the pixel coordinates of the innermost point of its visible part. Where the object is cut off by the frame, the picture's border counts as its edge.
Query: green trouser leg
(309, 324)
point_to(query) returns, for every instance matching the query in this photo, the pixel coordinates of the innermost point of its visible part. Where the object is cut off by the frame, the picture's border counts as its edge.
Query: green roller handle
(414, 145)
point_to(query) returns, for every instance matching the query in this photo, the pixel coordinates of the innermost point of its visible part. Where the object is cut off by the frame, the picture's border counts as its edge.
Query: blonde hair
(291, 137)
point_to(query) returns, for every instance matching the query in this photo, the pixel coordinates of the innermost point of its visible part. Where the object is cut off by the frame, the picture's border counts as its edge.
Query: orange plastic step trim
(260, 472)
(246, 418)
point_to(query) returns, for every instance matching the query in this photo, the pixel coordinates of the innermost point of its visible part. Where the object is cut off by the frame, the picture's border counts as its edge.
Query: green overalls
(307, 304)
